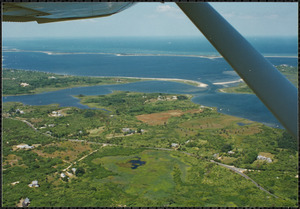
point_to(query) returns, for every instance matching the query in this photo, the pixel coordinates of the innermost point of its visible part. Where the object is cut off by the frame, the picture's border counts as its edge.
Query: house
(26, 202)
(174, 145)
(261, 157)
(34, 184)
(128, 130)
(174, 97)
(19, 111)
(24, 84)
(56, 114)
(51, 125)
(125, 129)
(74, 170)
(216, 155)
(160, 98)
(230, 152)
(52, 77)
(48, 132)
(24, 146)
(14, 183)
(62, 175)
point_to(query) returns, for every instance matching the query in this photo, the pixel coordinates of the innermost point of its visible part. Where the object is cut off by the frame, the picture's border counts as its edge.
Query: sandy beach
(197, 83)
(228, 82)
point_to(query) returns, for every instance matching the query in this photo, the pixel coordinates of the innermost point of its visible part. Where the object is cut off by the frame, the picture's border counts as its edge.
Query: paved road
(244, 175)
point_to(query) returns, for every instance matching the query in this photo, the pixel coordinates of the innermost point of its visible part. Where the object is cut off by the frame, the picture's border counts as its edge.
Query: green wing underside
(46, 12)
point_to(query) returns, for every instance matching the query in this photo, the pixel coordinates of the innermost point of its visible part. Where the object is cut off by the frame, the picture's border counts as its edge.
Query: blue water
(136, 163)
(101, 57)
(163, 45)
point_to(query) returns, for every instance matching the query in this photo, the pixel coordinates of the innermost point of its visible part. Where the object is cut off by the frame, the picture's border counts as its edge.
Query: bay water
(184, 58)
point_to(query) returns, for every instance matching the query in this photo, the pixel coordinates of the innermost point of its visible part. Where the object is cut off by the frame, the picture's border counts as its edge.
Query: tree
(226, 148)
(79, 171)
(250, 156)
(89, 113)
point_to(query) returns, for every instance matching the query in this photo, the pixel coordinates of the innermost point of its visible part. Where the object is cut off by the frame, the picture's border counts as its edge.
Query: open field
(163, 117)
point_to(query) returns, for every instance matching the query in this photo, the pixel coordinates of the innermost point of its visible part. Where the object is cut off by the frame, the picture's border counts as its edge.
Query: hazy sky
(158, 19)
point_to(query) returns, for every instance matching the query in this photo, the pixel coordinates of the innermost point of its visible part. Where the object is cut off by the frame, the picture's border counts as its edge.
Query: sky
(166, 19)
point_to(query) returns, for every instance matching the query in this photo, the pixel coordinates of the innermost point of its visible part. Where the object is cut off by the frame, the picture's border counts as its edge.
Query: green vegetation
(101, 144)
(42, 82)
(128, 103)
(290, 72)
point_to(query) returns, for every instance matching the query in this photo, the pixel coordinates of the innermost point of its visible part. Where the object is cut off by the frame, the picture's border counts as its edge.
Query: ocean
(184, 58)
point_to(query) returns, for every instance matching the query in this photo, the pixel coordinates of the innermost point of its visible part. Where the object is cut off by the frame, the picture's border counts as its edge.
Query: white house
(14, 183)
(128, 130)
(56, 114)
(174, 145)
(24, 146)
(24, 84)
(216, 155)
(62, 175)
(19, 111)
(261, 157)
(26, 202)
(34, 184)
(160, 98)
(74, 170)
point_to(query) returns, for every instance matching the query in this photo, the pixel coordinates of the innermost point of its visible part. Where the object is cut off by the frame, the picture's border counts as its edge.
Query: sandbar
(196, 83)
(228, 82)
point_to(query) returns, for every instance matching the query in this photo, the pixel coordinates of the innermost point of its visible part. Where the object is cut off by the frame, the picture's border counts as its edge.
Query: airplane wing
(46, 12)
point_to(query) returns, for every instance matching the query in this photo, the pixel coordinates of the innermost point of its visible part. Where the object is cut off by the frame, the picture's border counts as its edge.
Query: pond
(136, 163)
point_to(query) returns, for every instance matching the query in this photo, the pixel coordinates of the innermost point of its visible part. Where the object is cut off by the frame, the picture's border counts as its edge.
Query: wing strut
(270, 86)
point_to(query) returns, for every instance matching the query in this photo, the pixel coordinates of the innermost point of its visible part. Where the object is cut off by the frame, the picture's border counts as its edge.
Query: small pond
(136, 163)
